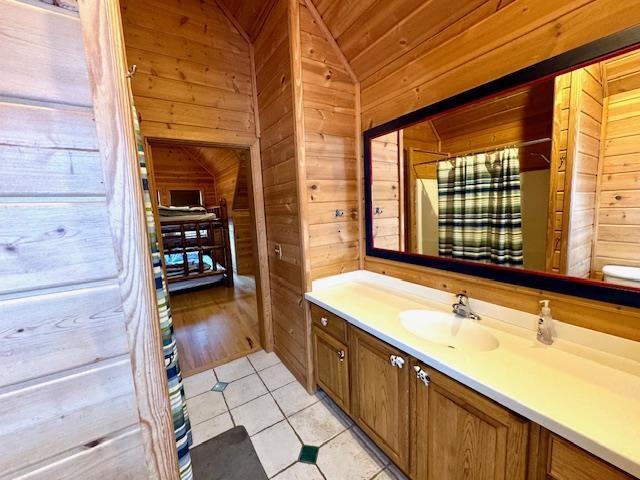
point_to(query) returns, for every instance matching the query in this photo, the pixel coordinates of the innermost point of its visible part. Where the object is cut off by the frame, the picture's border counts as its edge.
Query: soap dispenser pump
(545, 324)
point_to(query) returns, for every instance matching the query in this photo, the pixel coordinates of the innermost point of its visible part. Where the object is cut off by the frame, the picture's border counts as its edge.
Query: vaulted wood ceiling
(250, 14)
(375, 33)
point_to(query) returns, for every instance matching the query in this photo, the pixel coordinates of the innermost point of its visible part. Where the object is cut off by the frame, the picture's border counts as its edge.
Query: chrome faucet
(463, 309)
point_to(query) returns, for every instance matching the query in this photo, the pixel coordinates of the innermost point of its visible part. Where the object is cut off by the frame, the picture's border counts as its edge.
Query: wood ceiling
(250, 14)
(376, 33)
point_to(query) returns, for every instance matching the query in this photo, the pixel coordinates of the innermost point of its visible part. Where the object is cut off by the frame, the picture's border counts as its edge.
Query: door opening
(206, 222)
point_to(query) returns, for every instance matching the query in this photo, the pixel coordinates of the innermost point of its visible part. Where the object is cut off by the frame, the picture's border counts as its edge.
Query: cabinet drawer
(569, 462)
(329, 323)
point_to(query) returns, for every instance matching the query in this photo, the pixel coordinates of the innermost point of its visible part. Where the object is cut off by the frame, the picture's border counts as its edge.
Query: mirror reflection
(544, 177)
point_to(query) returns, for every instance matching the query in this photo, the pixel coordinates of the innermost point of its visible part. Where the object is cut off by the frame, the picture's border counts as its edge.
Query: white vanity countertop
(585, 387)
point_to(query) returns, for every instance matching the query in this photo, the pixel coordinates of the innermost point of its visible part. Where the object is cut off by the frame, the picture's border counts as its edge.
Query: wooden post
(103, 42)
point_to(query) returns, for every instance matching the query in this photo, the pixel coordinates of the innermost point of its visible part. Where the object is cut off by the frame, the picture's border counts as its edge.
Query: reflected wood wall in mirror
(534, 182)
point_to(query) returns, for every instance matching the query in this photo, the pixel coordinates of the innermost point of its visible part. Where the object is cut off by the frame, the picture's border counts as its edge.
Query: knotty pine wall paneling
(559, 182)
(69, 406)
(194, 71)
(618, 224)
(280, 174)
(175, 168)
(385, 162)
(585, 153)
(329, 101)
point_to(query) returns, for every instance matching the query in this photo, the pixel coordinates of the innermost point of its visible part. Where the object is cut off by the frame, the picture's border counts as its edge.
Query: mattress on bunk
(175, 264)
(184, 214)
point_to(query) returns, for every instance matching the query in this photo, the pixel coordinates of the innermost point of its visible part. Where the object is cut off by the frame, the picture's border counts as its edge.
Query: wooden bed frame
(206, 237)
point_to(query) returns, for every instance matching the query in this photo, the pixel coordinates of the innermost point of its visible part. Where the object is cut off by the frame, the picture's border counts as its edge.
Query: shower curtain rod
(517, 145)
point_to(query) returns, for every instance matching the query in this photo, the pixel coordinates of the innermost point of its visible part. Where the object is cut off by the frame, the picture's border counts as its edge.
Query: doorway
(205, 212)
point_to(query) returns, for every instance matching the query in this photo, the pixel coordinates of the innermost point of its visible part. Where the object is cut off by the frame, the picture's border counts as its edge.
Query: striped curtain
(479, 214)
(181, 424)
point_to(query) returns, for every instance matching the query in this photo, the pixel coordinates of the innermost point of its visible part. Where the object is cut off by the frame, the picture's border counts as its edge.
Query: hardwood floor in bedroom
(216, 325)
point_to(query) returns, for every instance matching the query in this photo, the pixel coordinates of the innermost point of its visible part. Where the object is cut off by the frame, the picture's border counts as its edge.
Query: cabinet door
(380, 394)
(459, 434)
(331, 361)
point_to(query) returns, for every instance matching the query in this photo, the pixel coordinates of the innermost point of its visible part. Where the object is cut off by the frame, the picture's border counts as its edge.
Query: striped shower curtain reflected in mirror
(479, 203)
(181, 424)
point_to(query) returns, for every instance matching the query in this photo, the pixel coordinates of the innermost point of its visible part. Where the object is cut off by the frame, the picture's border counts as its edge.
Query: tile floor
(281, 417)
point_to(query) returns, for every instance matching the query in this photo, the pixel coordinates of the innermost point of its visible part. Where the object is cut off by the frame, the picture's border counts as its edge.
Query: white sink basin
(449, 330)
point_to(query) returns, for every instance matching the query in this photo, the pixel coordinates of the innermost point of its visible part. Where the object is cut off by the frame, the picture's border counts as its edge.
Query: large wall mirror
(533, 179)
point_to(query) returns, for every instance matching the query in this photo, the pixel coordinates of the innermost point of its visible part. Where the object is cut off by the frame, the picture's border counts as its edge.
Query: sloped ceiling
(374, 34)
(250, 14)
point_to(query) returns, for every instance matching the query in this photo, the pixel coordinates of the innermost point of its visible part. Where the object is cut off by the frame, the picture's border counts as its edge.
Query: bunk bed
(195, 242)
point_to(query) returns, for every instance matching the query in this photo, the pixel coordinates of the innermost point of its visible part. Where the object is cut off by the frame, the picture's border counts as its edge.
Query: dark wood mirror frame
(590, 53)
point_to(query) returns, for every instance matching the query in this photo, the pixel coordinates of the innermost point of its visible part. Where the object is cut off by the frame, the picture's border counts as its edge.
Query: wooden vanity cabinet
(458, 433)
(431, 426)
(380, 394)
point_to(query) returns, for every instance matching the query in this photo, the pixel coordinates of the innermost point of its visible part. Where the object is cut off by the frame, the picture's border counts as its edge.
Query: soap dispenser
(545, 324)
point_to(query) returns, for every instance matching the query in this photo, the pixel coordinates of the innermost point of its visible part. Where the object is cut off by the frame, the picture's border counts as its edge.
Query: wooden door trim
(104, 46)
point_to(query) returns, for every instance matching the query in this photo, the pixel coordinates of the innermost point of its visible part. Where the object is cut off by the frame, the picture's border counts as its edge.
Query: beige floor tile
(372, 447)
(244, 390)
(210, 428)
(234, 370)
(345, 458)
(199, 383)
(261, 360)
(293, 397)
(300, 471)
(276, 376)
(258, 414)
(391, 473)
(277, 447)
(205, 406)
(317, 424)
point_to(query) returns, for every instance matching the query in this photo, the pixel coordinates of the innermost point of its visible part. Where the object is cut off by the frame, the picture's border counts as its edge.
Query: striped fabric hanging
(479, 205)
(181, 424)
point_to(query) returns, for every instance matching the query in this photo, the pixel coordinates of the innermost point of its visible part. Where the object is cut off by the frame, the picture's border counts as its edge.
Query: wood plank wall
(559, 182)
(194, 71)
(174, 168)
(385, 163)
(417, 71)
(331, 168)
(68, 405)
(584, 151)
(280, 173)
(618, 225)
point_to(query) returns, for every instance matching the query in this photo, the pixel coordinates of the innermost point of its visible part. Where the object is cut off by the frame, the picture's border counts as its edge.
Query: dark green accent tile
(219, 387)
(308, 454)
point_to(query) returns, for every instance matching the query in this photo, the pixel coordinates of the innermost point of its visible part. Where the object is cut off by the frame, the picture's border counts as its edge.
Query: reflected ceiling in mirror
(542, 177)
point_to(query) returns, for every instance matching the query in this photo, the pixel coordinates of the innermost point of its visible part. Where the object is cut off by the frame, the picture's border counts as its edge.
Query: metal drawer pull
(396, 361)
(341, 355)
(324, 321)
(422, 375)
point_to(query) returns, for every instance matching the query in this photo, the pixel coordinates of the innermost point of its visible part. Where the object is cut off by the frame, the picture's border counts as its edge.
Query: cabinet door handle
(422, 376)
(324, 321)
(396, 361)
(341, 355)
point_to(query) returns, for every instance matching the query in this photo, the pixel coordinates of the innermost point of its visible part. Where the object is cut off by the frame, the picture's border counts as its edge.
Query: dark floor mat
(229, 456)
